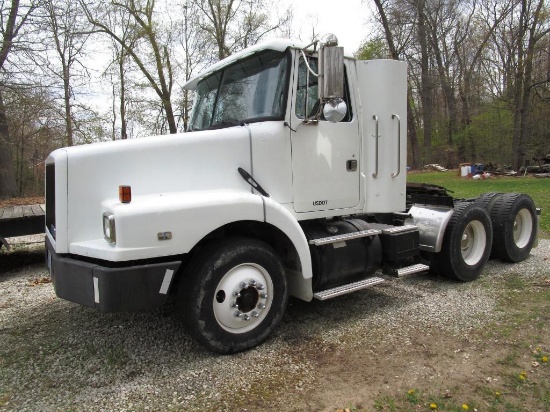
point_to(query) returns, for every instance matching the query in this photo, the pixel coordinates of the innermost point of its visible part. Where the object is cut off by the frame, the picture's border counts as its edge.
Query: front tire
(233, 294)
(466, 244)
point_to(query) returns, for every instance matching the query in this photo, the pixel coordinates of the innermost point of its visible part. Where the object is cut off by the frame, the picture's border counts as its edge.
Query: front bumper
(110, 289)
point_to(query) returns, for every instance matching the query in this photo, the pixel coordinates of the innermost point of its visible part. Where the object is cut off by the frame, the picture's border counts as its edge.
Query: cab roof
(275, 44)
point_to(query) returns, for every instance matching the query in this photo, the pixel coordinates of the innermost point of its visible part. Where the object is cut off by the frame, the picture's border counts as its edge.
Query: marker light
(109, 228)
(125, 194)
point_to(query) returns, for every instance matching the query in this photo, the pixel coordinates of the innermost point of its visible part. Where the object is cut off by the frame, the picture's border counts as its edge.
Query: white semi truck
(291, 180)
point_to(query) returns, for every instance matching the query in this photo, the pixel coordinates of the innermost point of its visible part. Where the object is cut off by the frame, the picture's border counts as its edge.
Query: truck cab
(290, 181)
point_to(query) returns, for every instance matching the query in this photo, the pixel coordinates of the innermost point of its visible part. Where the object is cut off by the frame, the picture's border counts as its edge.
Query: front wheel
(233, 294)
(466, 244)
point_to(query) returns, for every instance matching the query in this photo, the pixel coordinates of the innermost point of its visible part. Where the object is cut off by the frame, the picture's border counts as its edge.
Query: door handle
(394, 116)
(376, 136)
(351, 165)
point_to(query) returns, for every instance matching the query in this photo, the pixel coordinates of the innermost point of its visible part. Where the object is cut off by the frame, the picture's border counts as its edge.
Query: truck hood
(87, 177)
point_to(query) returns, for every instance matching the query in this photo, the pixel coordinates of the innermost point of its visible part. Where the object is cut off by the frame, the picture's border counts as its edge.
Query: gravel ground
(58, 356)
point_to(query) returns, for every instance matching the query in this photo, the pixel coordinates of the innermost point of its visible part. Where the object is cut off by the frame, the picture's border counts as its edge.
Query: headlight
(109, 231)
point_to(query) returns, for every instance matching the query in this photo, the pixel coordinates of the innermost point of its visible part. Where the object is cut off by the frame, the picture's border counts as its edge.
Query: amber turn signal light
(125, 194)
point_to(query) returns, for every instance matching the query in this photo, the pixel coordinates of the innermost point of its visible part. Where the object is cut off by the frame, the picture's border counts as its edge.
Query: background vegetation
(79, 71)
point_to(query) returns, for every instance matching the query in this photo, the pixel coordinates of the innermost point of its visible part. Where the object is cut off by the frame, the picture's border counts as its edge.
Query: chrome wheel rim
(523, 226)
(473, 242)
(243, 298)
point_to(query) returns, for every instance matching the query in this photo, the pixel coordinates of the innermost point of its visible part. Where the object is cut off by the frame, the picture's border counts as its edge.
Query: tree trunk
(8, 187)
(123, 125)
(172, 127)
(426, 83)
(411, 133)
(67, 103)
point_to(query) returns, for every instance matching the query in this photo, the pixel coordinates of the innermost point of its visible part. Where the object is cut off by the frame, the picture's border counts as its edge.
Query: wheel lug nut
(243, 285)
(263, 295)
(252, 282)
(238, 314)
(234, 305)
(255, 314)
(259, 286)
(261, 305)
(237, 294)
(246, 317)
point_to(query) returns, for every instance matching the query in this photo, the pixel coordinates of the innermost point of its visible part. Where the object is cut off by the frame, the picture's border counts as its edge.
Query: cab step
(345, 289)
(407, 270)
(342, 238)
(399, 229)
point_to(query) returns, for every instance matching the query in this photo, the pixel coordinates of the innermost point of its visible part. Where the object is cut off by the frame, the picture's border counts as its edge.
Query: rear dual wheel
(515, 226)
(466, 244)
(471, 236)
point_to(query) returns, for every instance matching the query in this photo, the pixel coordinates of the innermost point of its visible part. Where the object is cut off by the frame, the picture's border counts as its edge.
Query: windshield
(250, 90)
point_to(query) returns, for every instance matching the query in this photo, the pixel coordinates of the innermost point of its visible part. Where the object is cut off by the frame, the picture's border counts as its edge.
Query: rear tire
(466, 244)
(488, 200)
(515, 227)
(233, 294)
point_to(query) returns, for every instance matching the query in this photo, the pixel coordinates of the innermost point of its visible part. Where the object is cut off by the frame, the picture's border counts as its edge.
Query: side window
(307, 82)
(310, 83)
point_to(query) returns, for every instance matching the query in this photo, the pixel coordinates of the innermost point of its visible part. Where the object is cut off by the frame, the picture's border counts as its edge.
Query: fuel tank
(344, 261)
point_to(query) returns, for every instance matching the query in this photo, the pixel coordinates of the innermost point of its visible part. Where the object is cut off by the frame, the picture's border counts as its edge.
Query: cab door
(325, 156)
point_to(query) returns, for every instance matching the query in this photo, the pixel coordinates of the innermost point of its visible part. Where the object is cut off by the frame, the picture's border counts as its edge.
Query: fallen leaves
(40, 281)
(21, 201)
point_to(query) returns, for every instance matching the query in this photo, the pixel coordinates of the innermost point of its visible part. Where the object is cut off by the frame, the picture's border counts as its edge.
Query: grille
(50, 198)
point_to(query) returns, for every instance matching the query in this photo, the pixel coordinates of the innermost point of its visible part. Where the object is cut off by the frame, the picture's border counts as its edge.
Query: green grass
(460, 187)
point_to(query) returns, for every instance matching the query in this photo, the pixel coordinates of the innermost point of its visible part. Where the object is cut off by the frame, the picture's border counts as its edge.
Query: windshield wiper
(250, 180)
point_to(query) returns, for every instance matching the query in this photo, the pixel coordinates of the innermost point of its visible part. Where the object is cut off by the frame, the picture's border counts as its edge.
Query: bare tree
(232, 25)
(394, 53)
(159, 73)
(35, 125)
(121, 60)
(10, 30)
(448, 46)
(534, 25)
(197, 52)
(65, 23)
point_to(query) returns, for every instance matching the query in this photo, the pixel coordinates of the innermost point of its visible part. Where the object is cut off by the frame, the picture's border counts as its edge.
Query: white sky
(347, 19)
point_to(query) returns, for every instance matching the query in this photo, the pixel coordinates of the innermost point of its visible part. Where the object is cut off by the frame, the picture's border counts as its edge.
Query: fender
(300, 284)
(281, 218)
(431, 222)
(138, 224)
(188, 217)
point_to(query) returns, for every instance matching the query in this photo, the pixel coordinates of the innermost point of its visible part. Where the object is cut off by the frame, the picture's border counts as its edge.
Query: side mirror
(331, 70)
(335, 110)
(331, 79)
